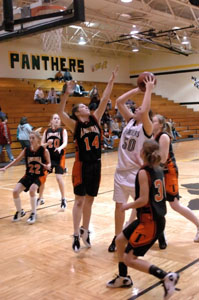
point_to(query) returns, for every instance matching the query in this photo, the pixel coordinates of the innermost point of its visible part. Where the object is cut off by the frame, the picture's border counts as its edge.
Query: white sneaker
(120, 282)
(169, 282)
(196, 239)
(18, 215)
(85, 235)
(63, 204)
(40, 201)
(31, 219)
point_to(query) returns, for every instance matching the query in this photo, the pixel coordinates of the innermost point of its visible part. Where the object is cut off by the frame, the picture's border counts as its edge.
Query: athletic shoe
(76, 243)
(162, 241)
(18, 215)
(169, 282)
(40, 201)
(120, 282)
(31, 219)
(196, 239)
(112, 247)
(85, 235)
(63, 204)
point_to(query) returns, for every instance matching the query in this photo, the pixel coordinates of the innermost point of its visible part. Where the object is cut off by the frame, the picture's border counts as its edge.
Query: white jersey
(131, 142)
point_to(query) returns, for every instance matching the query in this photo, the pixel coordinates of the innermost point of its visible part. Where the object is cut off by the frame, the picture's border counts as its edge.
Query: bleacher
(16, 99)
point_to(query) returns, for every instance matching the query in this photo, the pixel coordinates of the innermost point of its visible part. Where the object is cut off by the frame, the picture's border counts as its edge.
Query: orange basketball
(141, 78)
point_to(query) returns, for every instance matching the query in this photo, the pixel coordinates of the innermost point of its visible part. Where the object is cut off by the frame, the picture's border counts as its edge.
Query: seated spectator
(115, 129)
(59, 76)
(107, 138)
(109, 104)
(131, 105)
(39, 96)
(94, 92)
(77, 92)
(23, 131)
(94, 102)
(118, 114)
(5, 137)
(85, 93)
(52, 96)
(67, 75)
(106, 118)
(2, 114)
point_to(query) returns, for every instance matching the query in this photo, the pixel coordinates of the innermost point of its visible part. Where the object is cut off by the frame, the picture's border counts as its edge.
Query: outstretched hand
(115, 72)
(149, 82)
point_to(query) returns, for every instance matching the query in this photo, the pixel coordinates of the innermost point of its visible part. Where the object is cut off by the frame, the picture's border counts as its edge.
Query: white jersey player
(137, 130)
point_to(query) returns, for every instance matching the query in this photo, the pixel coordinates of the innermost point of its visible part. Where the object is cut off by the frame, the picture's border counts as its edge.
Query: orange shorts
(171, 184)
(142, 235)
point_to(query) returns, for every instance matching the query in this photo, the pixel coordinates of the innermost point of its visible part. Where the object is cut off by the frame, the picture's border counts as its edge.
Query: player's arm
(44, 143)
(98, 113)
(65, 141)
(164, 143)
(47, 165)
(15, 161)
(146, 105)
(125, 112)
(70, 123)
(144, 192)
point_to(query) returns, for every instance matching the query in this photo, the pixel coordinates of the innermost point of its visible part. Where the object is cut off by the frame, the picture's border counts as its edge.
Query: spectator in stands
(52, 96)
(23, 132)
(94, 102)
(109, 104)
(82, 89)
(131, 105)
(2, 114)
(173, 130)
(59, 76)
(118, 114)
(77, 91)
(5, 137)
(94, 92)
(67, 75)
(107, 138)
(115, 129)
(39, 96)
(106, 118)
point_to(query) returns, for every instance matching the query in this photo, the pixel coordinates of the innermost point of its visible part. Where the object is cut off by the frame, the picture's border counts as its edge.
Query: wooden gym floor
(37, 261)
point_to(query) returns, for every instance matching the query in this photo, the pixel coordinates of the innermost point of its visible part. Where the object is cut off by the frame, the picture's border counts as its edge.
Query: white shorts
(124, 185)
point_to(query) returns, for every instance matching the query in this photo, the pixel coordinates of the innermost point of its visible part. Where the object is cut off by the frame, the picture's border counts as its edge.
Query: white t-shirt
(39, 94)
(131, 142)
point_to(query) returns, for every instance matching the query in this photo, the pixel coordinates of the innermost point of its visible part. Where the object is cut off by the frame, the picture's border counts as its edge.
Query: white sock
(17, 202)
(33, 201)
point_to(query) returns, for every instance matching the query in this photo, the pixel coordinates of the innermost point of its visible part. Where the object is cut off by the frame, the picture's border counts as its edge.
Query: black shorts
(59, 168)
(28, 180)
(86, 178)
(141, 236)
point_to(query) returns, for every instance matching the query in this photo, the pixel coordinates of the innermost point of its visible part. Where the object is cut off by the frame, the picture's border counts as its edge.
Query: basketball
(141, 78)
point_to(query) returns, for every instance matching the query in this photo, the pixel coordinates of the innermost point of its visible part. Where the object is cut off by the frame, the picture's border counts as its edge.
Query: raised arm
(125, 112)
(146, 105)
(70, 123)
(98, 113)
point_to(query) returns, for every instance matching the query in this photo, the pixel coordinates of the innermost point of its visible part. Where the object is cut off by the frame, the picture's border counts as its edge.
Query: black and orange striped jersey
(34, 161)
(87, 137)
(156, 206)
(170, 164)
(56, 135)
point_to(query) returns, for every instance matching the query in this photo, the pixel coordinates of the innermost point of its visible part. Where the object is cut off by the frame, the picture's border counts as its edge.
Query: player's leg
(17, 201)
(33, 202)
